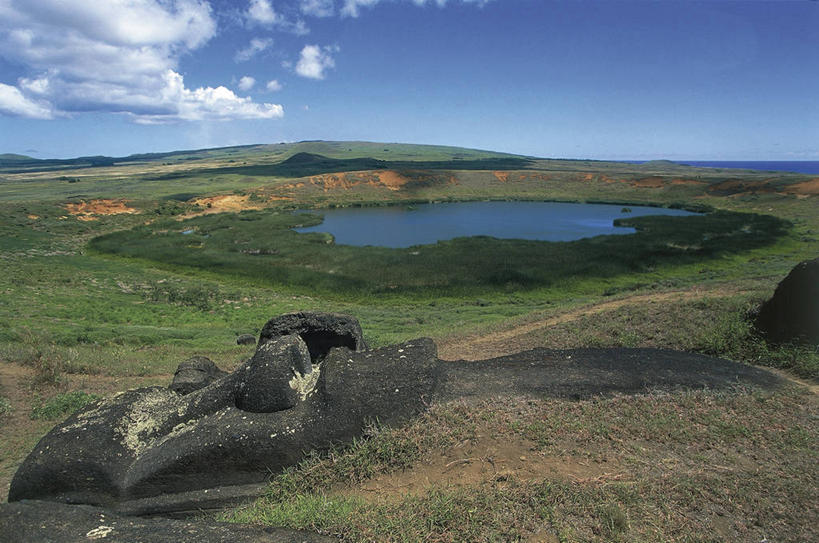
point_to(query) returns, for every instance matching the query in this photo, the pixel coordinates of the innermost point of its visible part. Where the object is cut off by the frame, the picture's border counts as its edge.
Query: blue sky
(712, 80)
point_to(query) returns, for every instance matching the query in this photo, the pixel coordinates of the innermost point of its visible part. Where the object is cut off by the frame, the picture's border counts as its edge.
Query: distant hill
(311, 156)
(11, 157)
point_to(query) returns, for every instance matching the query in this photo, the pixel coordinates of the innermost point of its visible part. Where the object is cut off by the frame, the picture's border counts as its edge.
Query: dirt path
(508, 341)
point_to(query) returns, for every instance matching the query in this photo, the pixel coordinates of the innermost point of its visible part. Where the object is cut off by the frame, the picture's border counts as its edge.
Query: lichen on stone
(145, 417)
(305, 384)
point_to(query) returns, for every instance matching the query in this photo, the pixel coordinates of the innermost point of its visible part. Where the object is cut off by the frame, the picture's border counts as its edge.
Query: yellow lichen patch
(100, 207)
(305, 384)
(86, 218)
(32, 216)
(145, 417)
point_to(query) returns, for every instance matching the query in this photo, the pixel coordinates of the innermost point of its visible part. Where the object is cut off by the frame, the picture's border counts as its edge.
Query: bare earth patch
(99, 207)
(807, 188)
(471, 462)
(232, 203)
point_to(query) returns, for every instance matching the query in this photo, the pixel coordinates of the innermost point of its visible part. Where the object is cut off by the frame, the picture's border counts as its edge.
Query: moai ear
(263, 384)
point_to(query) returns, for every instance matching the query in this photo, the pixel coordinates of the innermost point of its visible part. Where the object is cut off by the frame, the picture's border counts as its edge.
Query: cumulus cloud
(262, 12)
(115, 56)
(256, 46)
(314, 60)
(12, 102)
(246, 83)
(317, 8)
(273, 85)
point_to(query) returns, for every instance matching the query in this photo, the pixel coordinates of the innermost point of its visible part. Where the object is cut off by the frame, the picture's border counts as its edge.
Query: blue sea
(796, 166)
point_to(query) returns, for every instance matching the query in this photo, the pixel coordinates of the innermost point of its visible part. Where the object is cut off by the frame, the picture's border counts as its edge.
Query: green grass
(63, 404)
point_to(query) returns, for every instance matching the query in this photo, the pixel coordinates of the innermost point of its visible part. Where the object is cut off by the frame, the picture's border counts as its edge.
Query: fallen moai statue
(310, 384)
(792, 313)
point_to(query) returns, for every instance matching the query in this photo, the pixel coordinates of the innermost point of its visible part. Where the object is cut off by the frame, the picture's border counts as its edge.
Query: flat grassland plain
(112, 271)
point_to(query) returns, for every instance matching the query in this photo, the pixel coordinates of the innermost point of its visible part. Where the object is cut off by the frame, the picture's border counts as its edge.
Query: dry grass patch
(687, 466)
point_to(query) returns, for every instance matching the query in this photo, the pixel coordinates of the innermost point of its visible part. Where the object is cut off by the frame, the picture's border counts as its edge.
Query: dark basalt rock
(246, 339)
(263, 383)
(792, 313)
(320, 331)
(49, 522)
(153, 451)
(193, 374)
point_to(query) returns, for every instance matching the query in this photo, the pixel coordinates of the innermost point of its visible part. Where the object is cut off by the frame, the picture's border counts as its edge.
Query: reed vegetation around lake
(261, 246)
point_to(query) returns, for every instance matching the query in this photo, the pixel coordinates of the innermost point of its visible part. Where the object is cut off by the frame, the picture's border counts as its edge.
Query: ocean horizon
(790, 166)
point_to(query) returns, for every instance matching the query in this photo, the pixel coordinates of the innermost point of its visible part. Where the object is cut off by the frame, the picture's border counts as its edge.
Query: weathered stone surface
(50, 522)
(321, 331)
(792, 313)
(272, 379)
(195, 373)
(153, 451)
(246, 339)
(582, 373)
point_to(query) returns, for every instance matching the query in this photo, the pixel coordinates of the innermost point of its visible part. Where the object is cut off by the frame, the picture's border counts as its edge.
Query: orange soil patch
(100, 207)
(232, 203)
(654, 182)
(687, 182)
(347, 180)
(392, 180)
(486, 458)
(503, 177)
(806, 188)
(588, 177)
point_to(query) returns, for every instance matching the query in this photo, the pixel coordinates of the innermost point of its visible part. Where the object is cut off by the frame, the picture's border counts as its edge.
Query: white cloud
(262, 12)
(208, 103)
(317, 8)
(246, 83)
(114, 56)
(351, 7)
(12, 102)
(256, 46)
(273, 85)
(314, 60)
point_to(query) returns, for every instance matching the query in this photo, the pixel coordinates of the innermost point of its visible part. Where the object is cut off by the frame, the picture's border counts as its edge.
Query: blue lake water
(402, 226)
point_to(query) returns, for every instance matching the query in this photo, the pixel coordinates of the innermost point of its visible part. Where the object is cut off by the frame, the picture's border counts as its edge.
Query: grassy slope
(78, 318)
